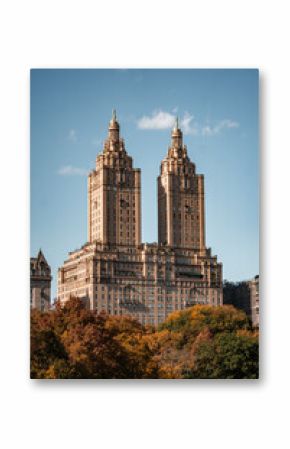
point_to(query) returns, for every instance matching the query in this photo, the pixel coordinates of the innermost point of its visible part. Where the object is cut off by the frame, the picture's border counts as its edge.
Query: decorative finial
(176, 122)
(114, 116)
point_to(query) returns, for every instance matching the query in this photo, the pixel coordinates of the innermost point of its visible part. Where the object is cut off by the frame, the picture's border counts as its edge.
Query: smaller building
(245, 296)
(255, 300)
(40, 283)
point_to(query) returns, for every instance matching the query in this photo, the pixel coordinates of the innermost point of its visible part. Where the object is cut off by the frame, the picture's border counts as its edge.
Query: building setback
(114, 271)
(40, 283)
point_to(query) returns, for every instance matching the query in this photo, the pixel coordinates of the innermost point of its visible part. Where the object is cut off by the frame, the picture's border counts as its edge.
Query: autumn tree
(199, 342)
(74, 342)
(48, 357)
(208, 342)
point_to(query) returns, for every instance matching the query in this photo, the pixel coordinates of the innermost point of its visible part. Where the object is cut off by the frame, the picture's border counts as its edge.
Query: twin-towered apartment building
(114, 271)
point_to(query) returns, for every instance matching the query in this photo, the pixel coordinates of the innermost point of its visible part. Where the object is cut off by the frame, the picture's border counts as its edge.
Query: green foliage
(226, 356)
(200, 342)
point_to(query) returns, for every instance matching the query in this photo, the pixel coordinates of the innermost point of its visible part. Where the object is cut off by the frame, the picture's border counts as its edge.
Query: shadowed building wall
(245, 296)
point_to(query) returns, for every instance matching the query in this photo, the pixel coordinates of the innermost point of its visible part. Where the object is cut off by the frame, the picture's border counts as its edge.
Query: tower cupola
(114, 128)
(176, 136)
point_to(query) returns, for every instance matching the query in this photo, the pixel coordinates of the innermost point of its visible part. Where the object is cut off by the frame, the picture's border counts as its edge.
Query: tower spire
(176, 122)
(114, 127)
(176, 135)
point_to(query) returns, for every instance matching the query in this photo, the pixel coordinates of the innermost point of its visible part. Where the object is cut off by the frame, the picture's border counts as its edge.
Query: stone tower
(114, 194)
(181, 220)
(114, 272)
(40, 282)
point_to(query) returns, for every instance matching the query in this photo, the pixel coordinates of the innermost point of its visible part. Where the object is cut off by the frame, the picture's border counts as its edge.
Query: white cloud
(209, 130)
(72, 135)
(188, 125)
(160, 119)
(69, 170)
(157, 120)
(165, 120)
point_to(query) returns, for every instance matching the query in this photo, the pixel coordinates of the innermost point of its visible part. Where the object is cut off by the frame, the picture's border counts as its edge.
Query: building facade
(114, 271)
(40, 283)
(180, 199)
(254, 286)
(244, 295)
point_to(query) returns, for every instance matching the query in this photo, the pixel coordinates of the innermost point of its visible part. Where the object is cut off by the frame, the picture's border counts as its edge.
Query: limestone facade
(180, 199)
(40, 283)
(114, 194)
(114, 271)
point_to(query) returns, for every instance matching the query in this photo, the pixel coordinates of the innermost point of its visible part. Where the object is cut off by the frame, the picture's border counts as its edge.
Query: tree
(209, 342)
(227, 356)
(200, 342)
(73, 342)
(47, 350)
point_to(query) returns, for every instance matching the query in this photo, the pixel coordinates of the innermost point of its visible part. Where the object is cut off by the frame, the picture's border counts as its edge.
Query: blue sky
(218, 112)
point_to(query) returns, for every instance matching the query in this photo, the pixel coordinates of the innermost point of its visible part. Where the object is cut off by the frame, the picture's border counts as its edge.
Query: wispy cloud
(211, 130)
(160, 119)
(188, 124)
(164, 120)
(69, 170)
(72, 135)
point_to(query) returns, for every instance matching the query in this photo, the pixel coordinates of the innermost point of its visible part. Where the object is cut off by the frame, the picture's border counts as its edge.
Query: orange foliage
(73, 342)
